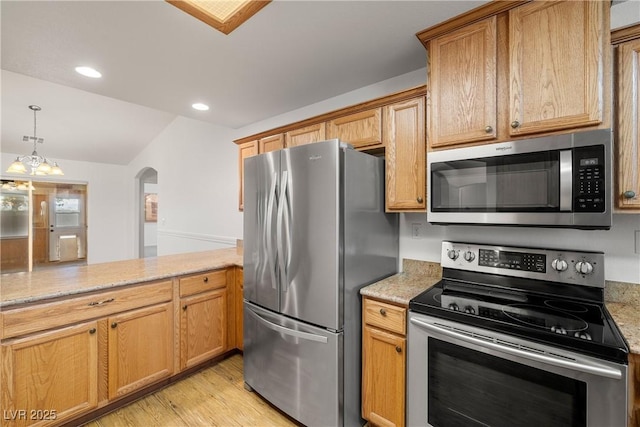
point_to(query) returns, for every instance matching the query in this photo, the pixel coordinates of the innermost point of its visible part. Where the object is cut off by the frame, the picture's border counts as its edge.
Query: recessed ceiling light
(89, 72)
(200, 106)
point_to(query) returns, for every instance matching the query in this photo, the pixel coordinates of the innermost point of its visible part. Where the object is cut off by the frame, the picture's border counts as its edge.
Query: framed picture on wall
(151, 207)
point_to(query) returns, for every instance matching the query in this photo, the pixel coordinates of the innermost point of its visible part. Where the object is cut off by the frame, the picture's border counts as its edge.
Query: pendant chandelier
(39, 165)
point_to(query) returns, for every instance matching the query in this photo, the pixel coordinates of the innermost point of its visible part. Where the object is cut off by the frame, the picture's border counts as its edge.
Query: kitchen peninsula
(114, 331)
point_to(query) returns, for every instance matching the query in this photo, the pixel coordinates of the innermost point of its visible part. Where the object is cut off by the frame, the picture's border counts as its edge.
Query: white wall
(109, 205)
(622, 262)
(625, 13)
(197, 165)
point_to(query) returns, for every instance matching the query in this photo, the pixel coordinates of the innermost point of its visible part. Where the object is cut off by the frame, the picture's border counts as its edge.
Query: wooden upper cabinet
(271, 143)
(512, 70)
(363, 130)
(305, 135)
(462, 85)
(248, 149)
(405, 155)
(628, 118)
(556, 65)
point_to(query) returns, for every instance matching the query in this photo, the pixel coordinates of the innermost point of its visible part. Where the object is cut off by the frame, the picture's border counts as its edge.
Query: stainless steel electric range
(515, 336)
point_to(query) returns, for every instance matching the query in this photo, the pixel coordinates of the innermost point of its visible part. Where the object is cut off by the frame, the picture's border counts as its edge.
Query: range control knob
(583, 335)
(453, 306)
(584, 267)
(453, 254)
(469, 256)
(469, 310)
(559, 265)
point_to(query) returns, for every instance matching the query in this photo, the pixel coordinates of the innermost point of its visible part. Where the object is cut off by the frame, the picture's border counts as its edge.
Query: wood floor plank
(212, 397)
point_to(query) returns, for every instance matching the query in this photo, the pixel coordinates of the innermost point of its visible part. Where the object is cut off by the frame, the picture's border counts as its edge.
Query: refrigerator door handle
(272, 256)
(280, 230)
(291, 332)
(287, 228)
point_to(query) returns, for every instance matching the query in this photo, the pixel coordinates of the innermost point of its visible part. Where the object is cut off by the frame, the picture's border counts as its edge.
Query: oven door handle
(582, 366)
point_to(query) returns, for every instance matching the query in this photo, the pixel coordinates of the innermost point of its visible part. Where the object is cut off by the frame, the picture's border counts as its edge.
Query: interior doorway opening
(43, 225)
(148, 213)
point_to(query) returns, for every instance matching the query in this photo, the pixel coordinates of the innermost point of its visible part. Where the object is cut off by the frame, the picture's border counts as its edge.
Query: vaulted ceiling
(157, 60)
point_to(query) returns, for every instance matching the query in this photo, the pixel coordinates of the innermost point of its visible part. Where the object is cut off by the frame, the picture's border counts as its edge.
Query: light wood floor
(212, 397)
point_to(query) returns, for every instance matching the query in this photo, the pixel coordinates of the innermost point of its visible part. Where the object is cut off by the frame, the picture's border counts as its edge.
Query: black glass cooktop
(581, 326)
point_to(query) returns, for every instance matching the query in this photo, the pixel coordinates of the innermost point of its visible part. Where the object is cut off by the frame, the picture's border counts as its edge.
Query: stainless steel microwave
(555, 181)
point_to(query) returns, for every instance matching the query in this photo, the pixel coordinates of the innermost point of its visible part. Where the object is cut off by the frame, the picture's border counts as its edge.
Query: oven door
(459, 375)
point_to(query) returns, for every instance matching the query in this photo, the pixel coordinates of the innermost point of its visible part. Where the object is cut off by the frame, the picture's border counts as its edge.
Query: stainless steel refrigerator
(315, 232)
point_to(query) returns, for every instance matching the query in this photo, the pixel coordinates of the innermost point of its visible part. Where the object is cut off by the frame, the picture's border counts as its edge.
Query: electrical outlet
(637, 234)
(415, 230)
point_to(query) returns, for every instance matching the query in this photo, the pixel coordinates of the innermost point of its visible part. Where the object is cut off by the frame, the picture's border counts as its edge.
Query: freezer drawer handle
(287, 331)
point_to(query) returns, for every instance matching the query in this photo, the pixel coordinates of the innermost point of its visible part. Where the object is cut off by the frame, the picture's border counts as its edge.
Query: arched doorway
(148, 213)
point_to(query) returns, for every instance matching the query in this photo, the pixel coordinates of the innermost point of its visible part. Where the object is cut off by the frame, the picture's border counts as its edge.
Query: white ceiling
(157, 60)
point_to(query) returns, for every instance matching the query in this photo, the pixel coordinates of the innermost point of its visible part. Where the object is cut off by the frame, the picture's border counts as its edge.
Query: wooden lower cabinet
(140, 348)
(383, 363)
(239, 307)
(50, 377)
(61, 360)
(634, 390)
(203, 327)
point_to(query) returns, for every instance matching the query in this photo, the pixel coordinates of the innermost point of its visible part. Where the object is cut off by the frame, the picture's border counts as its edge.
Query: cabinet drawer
(386, 316)
(203, 282)
(45, 316)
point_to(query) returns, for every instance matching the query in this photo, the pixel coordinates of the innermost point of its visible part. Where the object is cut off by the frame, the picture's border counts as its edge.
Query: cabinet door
(634, 390)
(239, 307)
(462, 85)
(50, 376)
(203, 327)
(556, 65)
(405, 155)
(247, 149)
(271, 143)
(362, 130)
(383, 377)
(627, 140)
(140, 348)
(305, 135)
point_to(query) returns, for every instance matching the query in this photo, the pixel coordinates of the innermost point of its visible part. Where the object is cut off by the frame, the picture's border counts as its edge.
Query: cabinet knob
(399, 349)
(184, 307)
(206, 279)
(488, 129)
(629, 194)
(383, 312)
(114, 325)
(92, 331)
(419, 199)
(515, 124)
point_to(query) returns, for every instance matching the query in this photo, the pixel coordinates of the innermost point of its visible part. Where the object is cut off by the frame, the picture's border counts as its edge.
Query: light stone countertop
(621, 299)
(417, 276)
(623, 302)
(21, 288)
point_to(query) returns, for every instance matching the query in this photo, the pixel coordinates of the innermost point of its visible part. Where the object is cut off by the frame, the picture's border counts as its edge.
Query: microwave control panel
(589, 179)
